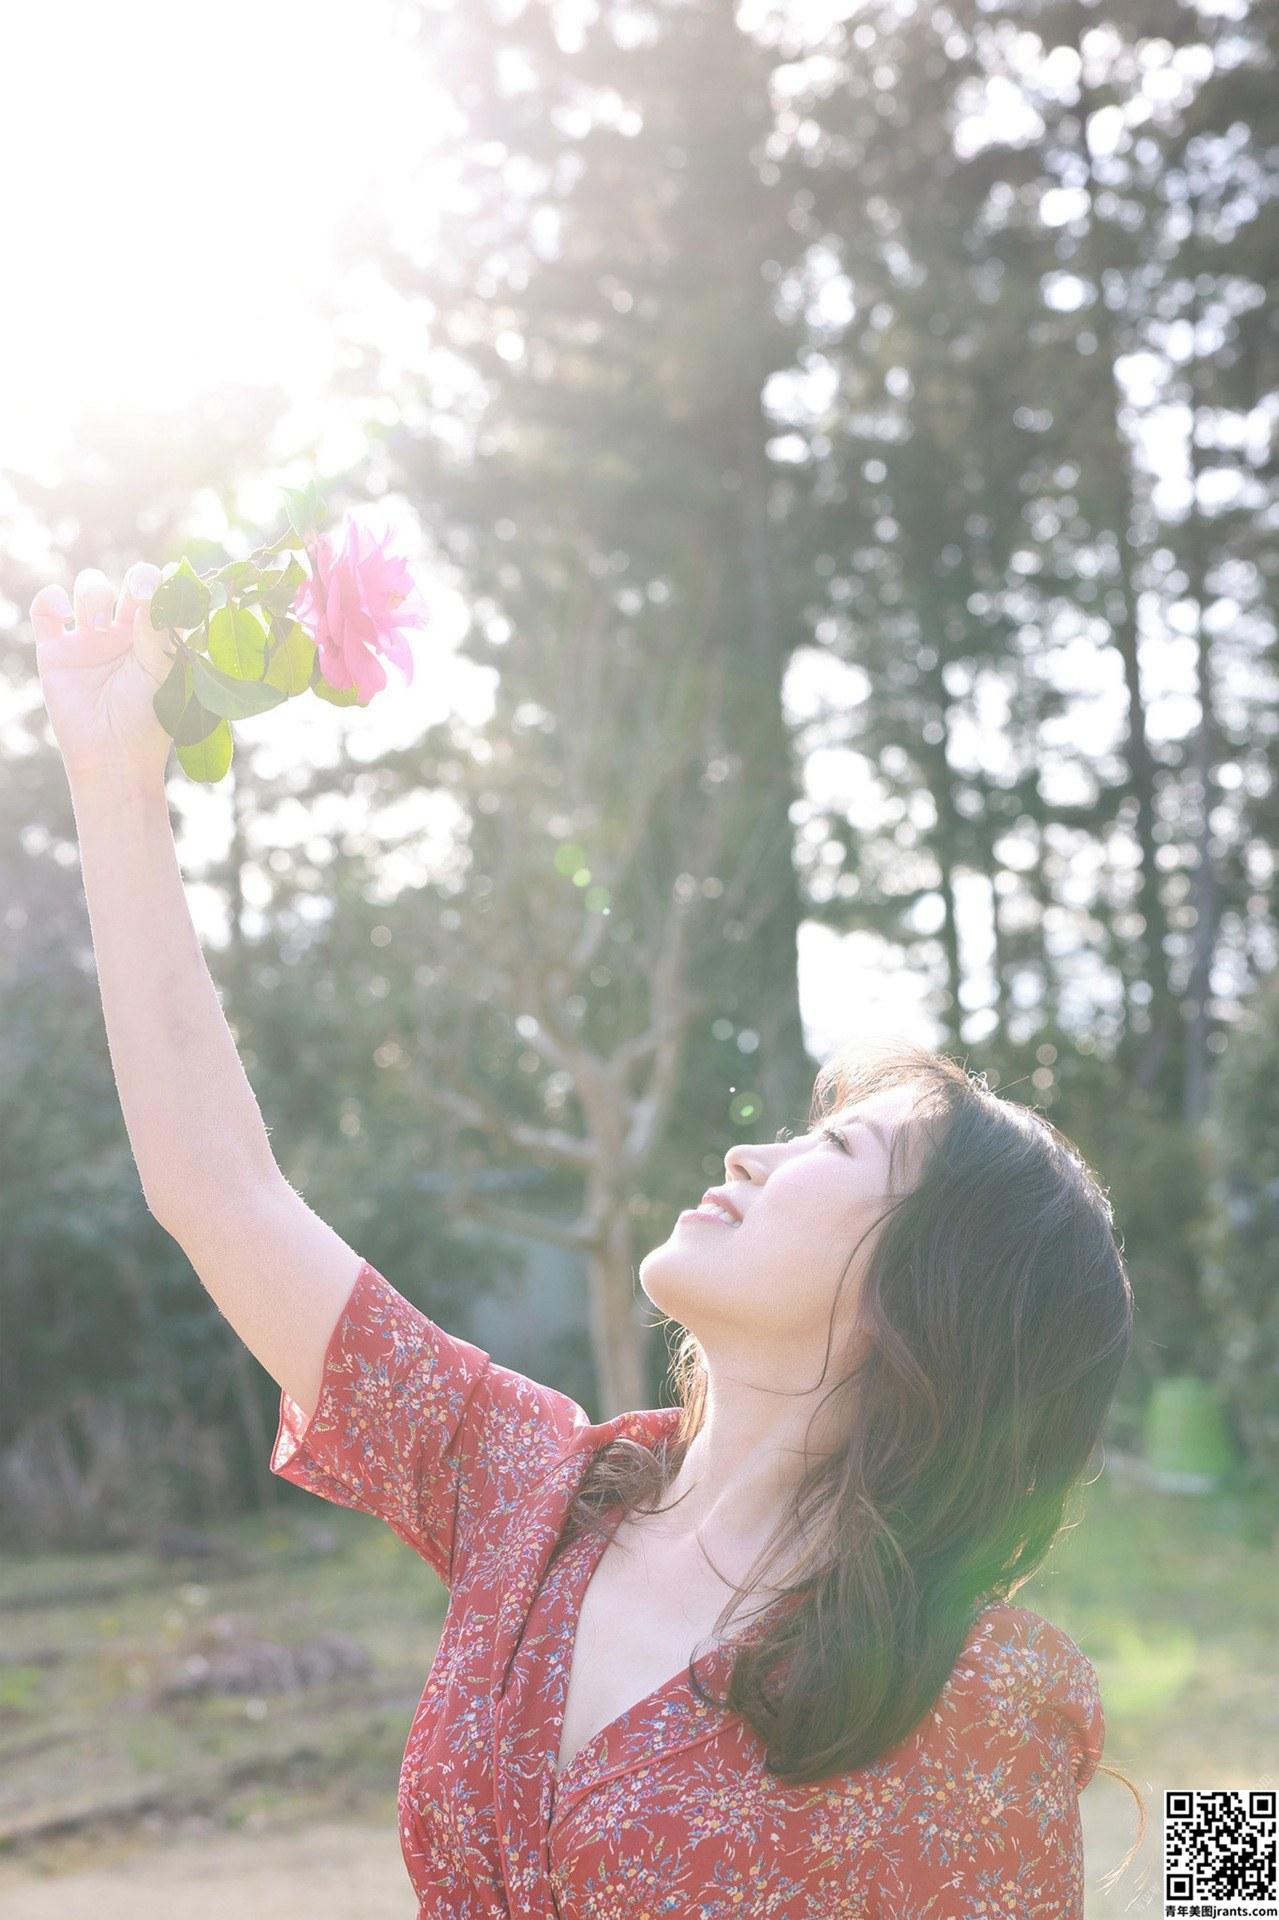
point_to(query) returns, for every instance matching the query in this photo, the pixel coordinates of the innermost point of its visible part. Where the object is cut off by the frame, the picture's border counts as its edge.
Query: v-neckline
(591, 1560)
(708, 1662)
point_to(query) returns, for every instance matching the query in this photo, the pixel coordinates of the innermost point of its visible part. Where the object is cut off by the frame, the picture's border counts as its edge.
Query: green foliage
(237, 643)
(245, 656)
(966, 518)
(274, 587)
(209, 759)
(291, 660)
(248, 654)
(178, 709)
(181, 599)
(1158, 1188)
(305, 508)
(336, 696)
(1152, 1170)
(235, 696)
(1171, 1596)
(1241, 1277)
(277, 589)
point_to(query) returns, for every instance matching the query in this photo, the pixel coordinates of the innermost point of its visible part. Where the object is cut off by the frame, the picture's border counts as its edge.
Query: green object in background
(1188, 1447)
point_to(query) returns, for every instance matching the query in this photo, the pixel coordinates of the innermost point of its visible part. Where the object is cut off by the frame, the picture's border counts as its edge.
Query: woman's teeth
(712, 1212)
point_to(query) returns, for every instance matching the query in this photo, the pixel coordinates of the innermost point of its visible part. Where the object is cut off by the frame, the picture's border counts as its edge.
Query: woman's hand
(100, 676)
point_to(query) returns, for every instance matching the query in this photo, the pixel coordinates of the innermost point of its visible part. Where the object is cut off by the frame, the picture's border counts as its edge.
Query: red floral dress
(668, 1811)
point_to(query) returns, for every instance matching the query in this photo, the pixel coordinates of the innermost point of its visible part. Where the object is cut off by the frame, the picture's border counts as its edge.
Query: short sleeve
(416, 1426)
(988, 1816)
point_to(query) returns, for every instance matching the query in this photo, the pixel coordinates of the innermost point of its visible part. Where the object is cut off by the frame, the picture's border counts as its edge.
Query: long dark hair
(991, 1330)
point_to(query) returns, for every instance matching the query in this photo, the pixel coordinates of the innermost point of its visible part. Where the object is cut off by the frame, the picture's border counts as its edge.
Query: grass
(1170, 1595)
(89, 1641)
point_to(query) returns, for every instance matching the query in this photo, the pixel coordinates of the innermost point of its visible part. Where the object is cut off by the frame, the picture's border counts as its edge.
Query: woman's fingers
(93, 599)
(139, 583)
(96, 638)
(92, 610)
(50, 611)
(150, 646)
(80, 647)
(101, 631)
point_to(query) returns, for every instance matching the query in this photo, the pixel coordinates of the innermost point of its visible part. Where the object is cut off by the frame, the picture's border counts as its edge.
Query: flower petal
(368, 673)
(397, 650)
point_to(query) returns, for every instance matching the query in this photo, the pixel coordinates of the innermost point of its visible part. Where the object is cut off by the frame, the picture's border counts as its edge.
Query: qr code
(1219, 1855)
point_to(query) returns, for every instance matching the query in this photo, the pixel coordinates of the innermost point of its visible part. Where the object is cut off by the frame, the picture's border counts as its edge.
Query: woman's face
(766, 1287)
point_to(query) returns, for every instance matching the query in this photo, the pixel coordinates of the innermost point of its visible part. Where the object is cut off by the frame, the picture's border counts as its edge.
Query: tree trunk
(1122, 617)
(617, 1332)
(1205, 891)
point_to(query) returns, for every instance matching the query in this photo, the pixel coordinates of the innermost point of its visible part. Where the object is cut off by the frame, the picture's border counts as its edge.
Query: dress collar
(531, 1679)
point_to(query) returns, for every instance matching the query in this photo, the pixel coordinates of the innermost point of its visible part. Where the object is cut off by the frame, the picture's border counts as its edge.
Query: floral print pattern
(667, 1812)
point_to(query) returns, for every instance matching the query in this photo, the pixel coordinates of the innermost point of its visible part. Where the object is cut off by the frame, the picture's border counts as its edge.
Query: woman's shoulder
(581, 1442)
(1007, 1639)
(1019, 1674)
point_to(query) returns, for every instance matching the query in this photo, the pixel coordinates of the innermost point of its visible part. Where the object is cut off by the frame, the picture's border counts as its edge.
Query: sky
(151, 137)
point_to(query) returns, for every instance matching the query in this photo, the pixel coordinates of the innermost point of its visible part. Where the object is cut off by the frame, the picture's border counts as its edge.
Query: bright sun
(177, 174)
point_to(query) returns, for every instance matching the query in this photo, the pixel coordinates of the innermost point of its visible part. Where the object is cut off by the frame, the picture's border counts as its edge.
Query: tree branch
(576, 1237)
(640, 1045)
(478, 1111)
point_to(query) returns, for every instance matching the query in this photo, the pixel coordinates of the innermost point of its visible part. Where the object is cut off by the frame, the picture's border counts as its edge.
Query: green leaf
(237, 643)
(293, 660)
(233, 698)
(336, 696)
(209, 759)
(171, 697)
(288, 541)
(279, 590)
(181, 599)
(274, 587)
(304, 507)
(181, 715)
(240, 575)
(196, 724)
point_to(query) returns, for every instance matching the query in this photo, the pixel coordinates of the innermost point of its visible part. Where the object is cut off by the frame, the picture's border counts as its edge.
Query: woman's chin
(674, 1276)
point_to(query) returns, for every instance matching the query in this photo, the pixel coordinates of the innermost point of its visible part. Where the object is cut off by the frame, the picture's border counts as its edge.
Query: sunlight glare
(185, 170)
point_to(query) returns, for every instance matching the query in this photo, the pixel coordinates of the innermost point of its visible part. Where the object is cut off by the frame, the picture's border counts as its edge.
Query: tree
(614, 524)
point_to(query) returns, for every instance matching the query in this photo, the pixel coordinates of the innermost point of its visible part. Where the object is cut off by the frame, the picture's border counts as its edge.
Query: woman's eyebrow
(860, 1120)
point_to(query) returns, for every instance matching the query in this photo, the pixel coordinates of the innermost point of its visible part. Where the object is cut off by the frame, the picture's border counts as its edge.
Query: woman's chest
(639, 1623)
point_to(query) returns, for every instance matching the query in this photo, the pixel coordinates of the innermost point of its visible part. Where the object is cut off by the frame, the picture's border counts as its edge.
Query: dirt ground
(331, 1868)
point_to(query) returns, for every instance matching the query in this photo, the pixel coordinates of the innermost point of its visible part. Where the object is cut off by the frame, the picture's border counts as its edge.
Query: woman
(900, 1345)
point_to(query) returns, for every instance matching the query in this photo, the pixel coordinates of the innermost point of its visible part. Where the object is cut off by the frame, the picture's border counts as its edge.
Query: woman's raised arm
(201, 1149)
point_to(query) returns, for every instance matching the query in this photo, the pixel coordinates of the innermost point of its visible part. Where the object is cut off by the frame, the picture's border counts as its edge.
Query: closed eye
(830, 1133)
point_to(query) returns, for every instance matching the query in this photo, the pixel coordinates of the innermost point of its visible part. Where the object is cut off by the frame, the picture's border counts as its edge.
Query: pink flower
(356, 606)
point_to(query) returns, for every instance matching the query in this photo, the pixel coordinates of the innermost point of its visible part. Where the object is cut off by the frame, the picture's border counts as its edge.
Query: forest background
(841, 452)
(839, 447)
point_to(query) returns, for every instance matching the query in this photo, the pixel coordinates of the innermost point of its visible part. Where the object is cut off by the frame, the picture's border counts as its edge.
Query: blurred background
(837, 445)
